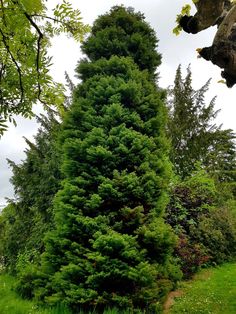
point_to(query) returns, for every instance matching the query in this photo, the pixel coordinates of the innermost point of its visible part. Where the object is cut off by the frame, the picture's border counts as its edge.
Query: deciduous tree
(26, 28)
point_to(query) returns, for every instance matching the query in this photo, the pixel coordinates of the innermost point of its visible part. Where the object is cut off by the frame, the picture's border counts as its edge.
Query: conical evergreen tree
(194, 135)
(111, 246)
(36, 180)
(122, 34)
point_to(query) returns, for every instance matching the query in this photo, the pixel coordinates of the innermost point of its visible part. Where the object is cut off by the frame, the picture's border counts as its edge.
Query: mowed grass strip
(211, 292)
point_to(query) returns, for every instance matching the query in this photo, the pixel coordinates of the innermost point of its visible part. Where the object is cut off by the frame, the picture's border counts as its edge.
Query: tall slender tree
(110, 245)
(194, 135)
(36, 180)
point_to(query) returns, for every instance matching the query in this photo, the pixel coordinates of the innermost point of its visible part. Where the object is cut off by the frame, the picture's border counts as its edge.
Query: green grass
(11, 303)
(211, 292)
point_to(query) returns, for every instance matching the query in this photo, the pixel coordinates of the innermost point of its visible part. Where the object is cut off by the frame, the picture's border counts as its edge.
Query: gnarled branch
(223, 50)
(226, 26)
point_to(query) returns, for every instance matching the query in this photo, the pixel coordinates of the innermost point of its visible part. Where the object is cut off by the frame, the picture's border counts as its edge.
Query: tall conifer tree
(194, 135)
(110, 246)
(36, 180)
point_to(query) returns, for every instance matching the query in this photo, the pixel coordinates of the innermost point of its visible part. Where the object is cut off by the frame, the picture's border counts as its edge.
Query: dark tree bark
(223, 50)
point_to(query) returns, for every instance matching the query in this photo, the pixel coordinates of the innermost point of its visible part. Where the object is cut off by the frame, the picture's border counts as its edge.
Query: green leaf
(26, 30)
(186, 10)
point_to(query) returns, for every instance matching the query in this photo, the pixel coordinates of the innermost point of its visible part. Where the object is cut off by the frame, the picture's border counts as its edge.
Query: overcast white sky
(161, 15)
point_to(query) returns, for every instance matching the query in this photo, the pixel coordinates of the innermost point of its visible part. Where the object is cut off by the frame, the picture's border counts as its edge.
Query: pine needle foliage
(111, 246)
(24, 222)
(124, 32)
(194, 134)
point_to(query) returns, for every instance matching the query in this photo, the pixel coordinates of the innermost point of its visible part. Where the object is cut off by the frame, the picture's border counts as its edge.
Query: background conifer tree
(194, 135)
(111, 245)
(26, 219)
(202, 204)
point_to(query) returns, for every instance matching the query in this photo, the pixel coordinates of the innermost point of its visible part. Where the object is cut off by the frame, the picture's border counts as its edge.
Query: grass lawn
(11, 303)
(213, 291)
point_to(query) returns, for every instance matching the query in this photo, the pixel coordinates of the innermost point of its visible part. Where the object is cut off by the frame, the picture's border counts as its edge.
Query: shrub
(216, 230)
(191, 256)
(206, 231)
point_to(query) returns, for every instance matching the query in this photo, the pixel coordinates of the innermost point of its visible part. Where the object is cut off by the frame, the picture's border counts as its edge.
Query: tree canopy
(99, 219)
(26, 28)
(194, 135)
(36, 180)
(110, 245)
(117, 34)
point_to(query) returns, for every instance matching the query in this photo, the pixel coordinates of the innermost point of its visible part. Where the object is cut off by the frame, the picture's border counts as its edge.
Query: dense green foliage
(206, 229)
(199, 210)
(25, 220)
(194, 135)
(11, 303)
(92, 225)
(110, 245)
(26, 28)
(204, 294)
(117, 33)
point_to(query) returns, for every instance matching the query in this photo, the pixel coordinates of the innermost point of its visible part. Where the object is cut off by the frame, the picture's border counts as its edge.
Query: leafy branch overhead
(26, 28)
(222, 52)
